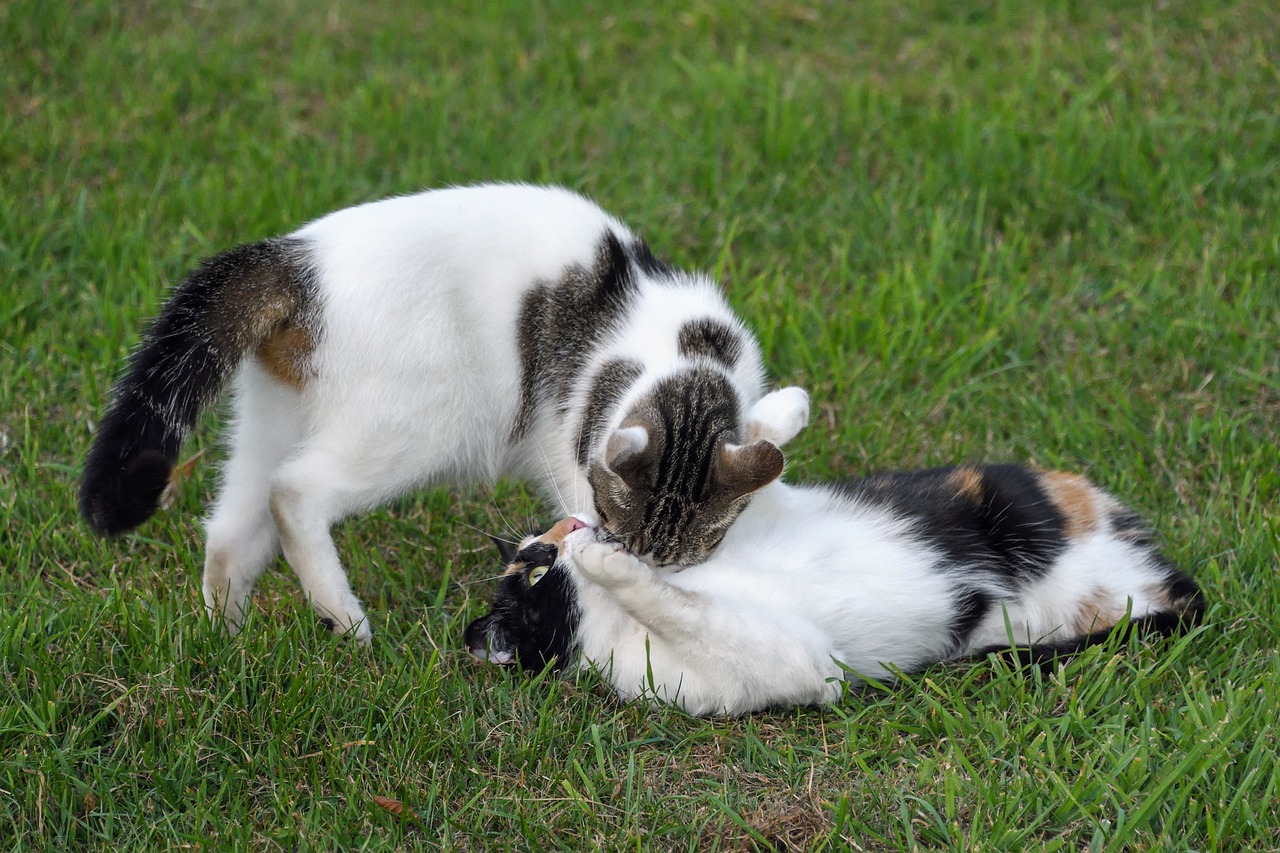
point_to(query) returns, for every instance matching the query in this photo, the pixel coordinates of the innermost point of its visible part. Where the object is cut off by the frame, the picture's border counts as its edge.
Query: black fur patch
(713, 339)
(536, 623)
(995, 516)
(1185, 596)
(648, 264)
(1129, 527)
(560, 324)
(219, 313)
(971, 608)
(607, 387)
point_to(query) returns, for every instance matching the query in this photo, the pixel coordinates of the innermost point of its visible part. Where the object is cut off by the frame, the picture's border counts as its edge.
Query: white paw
(225, 609)
(353, 623)
(363, 634)
(609, 565)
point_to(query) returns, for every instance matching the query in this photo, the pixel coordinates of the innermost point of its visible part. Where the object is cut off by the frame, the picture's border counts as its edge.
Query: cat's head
(684, 461)
(534, 617)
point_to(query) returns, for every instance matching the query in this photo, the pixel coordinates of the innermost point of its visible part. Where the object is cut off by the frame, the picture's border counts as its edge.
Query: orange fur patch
(558, 531)
(968, 483)
(554, 536)
(1097, 613)
(285, 354)
(1074, 496)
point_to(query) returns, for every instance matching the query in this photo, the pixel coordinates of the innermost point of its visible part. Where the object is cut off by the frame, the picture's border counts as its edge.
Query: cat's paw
(349, 621)
(610, 565)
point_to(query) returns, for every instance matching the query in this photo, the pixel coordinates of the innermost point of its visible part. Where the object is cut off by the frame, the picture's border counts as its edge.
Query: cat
(452, 336)
(814, 586)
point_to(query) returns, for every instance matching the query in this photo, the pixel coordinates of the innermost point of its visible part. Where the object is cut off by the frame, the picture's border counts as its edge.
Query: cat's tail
(251, 299)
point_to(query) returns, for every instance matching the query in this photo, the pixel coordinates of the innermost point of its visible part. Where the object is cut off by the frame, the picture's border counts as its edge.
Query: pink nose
(574, 523)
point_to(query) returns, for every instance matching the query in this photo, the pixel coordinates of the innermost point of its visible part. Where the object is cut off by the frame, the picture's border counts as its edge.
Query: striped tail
(253, 298)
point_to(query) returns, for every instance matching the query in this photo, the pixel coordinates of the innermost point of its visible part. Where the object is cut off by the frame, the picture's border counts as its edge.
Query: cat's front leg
(661, 608)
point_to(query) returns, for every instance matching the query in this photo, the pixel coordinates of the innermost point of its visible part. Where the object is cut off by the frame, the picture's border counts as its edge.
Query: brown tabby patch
(286, 355)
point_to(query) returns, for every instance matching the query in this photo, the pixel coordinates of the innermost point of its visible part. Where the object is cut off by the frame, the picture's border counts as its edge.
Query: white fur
(806, 591)
(416, 378)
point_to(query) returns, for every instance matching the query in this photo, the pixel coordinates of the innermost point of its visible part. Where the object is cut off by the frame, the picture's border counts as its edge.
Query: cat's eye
(536, 574)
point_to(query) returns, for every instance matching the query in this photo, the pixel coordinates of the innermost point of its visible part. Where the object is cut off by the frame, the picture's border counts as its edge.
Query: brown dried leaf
(176, 477)
(396, 808)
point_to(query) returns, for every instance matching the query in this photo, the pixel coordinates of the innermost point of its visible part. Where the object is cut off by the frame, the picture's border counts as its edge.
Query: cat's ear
(625, 455)
(777, 417)
(506, 550)
(486, 640)
(743, 468)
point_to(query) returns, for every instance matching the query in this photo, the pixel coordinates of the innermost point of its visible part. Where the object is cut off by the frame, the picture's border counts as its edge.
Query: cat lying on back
(446, 337)
(817, 585)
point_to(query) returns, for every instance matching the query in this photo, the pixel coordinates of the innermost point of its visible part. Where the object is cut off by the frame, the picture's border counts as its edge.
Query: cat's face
(534, 616)
(679, 469)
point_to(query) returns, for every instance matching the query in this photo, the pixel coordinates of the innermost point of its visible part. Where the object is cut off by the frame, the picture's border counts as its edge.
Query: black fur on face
(672, 502)
(534, 617)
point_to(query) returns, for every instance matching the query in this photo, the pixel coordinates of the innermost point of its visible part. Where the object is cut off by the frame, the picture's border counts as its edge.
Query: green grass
(974, 230)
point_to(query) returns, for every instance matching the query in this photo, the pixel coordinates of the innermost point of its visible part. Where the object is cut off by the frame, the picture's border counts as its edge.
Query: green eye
(536, 574)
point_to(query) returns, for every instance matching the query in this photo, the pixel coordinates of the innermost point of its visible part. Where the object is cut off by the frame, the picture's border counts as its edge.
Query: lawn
(1035, 231)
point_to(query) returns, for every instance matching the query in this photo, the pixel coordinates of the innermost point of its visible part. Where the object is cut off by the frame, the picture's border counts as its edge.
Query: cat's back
(496, 233)
(443, 273)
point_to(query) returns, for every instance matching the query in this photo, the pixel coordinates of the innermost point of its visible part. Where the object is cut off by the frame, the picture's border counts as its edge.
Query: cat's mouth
(576, 532)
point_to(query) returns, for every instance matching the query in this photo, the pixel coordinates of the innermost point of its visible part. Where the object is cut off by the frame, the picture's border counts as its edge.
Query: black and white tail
(251, 299)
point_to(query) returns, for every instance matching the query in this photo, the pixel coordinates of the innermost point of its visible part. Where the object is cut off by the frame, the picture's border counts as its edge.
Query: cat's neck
(780, 500)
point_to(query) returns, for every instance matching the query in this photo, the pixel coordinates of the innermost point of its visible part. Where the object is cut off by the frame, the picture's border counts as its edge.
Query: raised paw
(609, 564)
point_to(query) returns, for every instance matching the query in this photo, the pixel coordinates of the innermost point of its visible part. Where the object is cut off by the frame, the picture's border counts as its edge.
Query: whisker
(578, 454)
(551, 478)
(490, 535)
(489, 579)
(511, 528)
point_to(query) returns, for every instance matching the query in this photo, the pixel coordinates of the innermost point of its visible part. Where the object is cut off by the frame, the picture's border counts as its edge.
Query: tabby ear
(777, 417)
(743, 468)
(486, 640)
(625, 455)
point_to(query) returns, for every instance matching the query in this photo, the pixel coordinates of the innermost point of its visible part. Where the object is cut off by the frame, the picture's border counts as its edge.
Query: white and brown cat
(451, 336)
(815, 586)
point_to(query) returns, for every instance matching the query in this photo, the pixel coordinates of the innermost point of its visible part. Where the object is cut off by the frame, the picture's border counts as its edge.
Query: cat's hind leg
(336, 473)
(241, 535)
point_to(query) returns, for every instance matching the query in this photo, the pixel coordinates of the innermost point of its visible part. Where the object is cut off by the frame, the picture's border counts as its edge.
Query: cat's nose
(563, 528)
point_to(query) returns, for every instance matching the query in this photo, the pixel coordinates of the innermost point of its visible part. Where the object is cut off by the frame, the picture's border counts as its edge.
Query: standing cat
(446, 337)
(817, 585)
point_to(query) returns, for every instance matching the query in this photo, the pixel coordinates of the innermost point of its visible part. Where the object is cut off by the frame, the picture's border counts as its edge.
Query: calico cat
(446, 337)
(813, 586)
